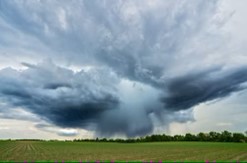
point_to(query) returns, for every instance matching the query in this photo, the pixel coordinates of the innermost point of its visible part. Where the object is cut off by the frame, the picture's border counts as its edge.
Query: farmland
(90, 151)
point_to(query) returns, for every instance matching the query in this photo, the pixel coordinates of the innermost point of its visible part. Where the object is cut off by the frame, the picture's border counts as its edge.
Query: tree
(178, 138)
(104, 140)
(214, 136)
(226, 136)
(238, 137)
(190, 137)
(202, 137)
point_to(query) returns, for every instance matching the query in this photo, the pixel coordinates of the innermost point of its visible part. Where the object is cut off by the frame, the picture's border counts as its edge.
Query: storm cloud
(96, 99)
(78, 102)
(115, 67)
(187, 91)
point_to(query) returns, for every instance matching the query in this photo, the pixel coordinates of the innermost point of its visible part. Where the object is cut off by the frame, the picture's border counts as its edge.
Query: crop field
(104, 151)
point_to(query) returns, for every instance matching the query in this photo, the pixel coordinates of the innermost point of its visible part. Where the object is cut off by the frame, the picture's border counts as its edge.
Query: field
(91, 151)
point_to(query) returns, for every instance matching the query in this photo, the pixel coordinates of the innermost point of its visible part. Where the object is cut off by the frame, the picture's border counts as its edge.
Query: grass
(92, 151)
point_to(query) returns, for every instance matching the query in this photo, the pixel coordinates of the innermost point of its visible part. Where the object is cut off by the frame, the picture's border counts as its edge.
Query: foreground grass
(91, 151)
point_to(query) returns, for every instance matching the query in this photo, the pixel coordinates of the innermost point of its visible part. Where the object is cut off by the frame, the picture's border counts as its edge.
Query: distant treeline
(212, 136)
(224, 136)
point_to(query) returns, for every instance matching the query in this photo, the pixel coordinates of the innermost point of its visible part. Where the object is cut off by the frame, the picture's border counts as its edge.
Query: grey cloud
(42, 125)
(160, 39)
(125, 122)
(78, 105)
(187, 91)
(169, 46)
(138, 41)
(28, 65)
(56, 85)
(17, 114)
(133, 38)
(87, 99)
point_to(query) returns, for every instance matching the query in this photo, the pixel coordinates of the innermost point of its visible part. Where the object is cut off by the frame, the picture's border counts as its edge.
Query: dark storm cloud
(82, 114)
(168, 48)
(78, 102)
(84, 104)
(187, 91)
(86, 99)
(91, 99)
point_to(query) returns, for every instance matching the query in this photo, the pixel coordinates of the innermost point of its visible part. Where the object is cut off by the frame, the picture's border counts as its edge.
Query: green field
(91, 151)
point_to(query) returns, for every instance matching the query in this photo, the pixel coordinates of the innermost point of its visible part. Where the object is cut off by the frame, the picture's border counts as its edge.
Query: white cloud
(68, 132)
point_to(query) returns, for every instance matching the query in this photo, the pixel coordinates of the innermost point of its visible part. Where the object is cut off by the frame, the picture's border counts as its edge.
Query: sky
(114, 68)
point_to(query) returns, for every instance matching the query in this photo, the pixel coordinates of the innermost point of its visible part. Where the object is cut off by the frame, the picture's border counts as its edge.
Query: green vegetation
(224, 136)
(106, 151)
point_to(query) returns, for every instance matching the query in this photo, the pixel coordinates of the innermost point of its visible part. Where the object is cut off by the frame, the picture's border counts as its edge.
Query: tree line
(212, 136)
